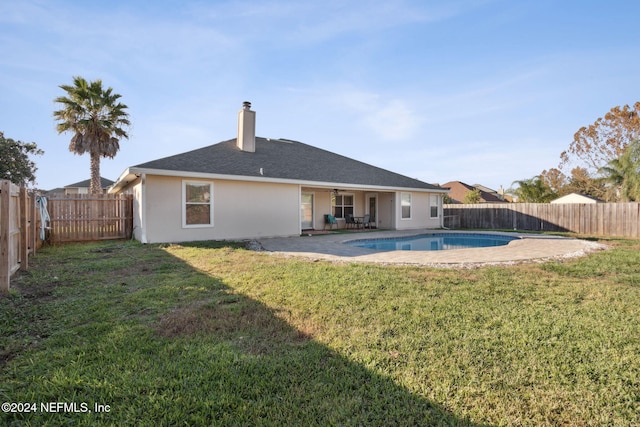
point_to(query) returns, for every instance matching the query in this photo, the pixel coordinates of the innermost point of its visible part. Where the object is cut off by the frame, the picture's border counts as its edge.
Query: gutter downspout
(300, 210)
(143, 208)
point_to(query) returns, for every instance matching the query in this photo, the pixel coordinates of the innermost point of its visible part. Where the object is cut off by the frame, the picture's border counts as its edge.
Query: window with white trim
(342, 205)
(405, 205)
(433, 205)
(197, 204)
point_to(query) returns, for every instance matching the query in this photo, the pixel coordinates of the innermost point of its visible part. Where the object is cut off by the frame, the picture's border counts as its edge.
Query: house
(458, 190)
(499, 193)
(576, 198)
(81, 187)
(250, 187)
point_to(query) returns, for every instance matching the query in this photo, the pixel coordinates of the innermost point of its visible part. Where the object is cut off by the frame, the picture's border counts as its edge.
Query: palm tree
(97, 120)
(533, 190)
(624, 173)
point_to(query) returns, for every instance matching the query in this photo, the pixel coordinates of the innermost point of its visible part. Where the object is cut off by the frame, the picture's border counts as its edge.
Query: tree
(472, 196)
(555, 179)
(624, 173)
(605, 139)
(534, 190)
(97, 120)
(16, 166)
(582, 182)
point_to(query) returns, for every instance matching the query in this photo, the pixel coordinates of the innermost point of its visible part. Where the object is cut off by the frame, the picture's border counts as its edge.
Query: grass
(212, 334)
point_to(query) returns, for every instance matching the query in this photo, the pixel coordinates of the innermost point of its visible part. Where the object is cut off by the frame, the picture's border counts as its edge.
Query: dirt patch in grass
(40, 293)
(251, 327)
(27, 291)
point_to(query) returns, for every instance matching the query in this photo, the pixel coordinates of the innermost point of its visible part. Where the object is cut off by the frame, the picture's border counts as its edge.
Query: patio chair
(366, 221)
(372, 222)
(330, 220)
(349, 221)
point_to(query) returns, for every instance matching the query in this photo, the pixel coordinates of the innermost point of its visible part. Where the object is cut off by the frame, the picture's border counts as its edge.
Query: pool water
(434, 242)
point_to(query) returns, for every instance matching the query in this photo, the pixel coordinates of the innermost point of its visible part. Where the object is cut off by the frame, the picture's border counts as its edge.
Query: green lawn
(213, 334)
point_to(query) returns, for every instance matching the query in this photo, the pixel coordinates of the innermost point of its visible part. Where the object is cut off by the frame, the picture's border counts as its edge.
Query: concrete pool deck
(529, 248)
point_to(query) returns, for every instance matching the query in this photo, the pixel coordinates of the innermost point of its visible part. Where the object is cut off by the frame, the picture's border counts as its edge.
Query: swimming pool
(434, 242)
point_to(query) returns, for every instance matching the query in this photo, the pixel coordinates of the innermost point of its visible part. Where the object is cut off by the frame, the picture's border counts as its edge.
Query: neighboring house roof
(55, 190)
(279, 159)
(458, 190)
(485, 189)
(576, 198)
(104, 183)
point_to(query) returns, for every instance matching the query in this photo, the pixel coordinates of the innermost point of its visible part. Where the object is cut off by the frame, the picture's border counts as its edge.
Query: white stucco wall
(420, 212)
(322, 206)
(386, 210)
(240, 210)
(136, 190)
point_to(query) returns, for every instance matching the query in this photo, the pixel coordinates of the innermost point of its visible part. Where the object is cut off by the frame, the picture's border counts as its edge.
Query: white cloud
(393, 120)
(380, 116)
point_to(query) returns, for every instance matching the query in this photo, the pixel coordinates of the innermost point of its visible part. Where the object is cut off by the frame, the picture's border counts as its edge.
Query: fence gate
(17, 230)
(85, 217)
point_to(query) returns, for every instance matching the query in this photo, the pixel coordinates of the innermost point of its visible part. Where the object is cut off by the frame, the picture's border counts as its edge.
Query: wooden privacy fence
(17, 230)
(84, 217)
(596, 219)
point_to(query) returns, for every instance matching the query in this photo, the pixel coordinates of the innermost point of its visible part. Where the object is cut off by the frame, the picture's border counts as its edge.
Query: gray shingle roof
(104, 182)
(283, 159)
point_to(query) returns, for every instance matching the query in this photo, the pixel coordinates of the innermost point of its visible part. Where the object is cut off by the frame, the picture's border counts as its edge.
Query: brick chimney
(247, 128)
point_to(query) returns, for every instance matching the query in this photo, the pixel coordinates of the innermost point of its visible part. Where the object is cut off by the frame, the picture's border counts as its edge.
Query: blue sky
(484, 91)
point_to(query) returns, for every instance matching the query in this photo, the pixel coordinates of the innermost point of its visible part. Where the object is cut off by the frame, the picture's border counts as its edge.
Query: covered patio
(383, 209)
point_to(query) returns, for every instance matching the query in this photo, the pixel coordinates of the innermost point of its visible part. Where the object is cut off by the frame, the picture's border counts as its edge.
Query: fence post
(5, 211)
(32, 223)
(24, 222)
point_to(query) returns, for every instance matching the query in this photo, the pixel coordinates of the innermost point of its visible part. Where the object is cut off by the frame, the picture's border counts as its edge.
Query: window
(197, 206)
(433, 205)
(342, 205)
(405, 204)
